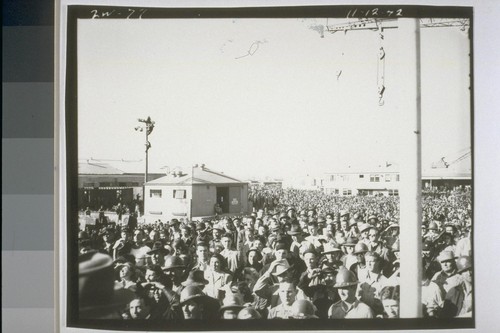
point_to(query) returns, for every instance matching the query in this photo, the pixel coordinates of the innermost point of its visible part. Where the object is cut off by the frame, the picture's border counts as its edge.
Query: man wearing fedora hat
(231, 306)
(349, 306)
(174, 270)
(196, 305)
(158, 253)
(297, 236)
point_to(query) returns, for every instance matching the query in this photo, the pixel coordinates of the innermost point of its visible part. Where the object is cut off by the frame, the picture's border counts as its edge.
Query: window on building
(397, 177)
(122, 184)
(88, 184)
(361, 176)
(104, 184)
(134, 184)
(337, 191)
(332, 178)
(393, 192)
(321, 182)
(346, 191)
(179, 194)
(155, 193)
(387, 177)
(374, 178)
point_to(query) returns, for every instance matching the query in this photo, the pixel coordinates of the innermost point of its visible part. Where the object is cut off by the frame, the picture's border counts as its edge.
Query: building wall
(353, 183)
(160, 203)
(204, 197)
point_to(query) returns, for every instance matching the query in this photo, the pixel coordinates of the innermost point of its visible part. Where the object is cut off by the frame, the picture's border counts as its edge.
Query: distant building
(101, 184)
(383, 179)
(194, 194)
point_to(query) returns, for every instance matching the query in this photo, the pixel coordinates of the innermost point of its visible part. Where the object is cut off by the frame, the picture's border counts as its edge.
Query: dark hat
(295, 230)
(191, 292)
(350, 241)
(231, 301)
(331, 247)
(174, 222)
(200, 226)
(97, 297)
(125, 258)
(280, 246)
(195, 278)
(158, 248)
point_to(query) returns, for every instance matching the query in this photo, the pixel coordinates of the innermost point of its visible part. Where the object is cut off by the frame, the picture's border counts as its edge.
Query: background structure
(28, 166)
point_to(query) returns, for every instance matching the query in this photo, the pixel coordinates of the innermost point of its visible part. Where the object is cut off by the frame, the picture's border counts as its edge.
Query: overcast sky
(261, 97)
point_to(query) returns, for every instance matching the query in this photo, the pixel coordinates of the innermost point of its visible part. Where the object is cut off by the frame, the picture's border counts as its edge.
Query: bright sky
(261, 97)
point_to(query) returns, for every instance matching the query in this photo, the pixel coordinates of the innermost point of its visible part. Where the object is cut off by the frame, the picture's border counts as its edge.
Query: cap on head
(303, 309)
(345, 278)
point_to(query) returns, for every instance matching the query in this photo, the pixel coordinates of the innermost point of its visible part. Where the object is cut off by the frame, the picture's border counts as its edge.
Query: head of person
(373, 235)
(216, 263)
(283, 271)
(346, 285)
(390, 300)
(303, 309)
(372, 261)
(259, 243)
(231, 306)
(140, 307)
(447, 261)
(174, 269)
(192, 302)
(126, 272)
(287, 292)
(281, 251)
(226, 242)
(254, 256)
(202, 252)
(312, 228)
(311, 259)
(153, 273)
(138, 237)
(250, 276)
(217, 232)
(154, 235)
(359, 250)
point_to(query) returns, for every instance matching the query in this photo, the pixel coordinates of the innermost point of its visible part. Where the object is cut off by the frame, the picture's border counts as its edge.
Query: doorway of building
(223, 199)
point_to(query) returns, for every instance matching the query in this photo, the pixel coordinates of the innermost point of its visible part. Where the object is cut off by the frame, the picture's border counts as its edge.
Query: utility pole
(147, 126)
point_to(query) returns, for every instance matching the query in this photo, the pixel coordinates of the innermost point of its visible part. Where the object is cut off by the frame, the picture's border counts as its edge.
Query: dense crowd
(304, 254)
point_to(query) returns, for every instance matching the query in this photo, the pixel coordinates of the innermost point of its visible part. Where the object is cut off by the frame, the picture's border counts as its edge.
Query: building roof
(113, 167)
(198, 175)
(89, 168)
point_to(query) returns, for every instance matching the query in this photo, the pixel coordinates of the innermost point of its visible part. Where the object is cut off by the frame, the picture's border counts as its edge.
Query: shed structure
(194, 194)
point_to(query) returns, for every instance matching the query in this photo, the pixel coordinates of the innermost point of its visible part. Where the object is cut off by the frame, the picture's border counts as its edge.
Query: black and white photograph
(294, 167)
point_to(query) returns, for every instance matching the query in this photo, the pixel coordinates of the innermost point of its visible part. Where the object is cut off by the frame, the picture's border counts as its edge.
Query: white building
(381, 179)
(194, 194)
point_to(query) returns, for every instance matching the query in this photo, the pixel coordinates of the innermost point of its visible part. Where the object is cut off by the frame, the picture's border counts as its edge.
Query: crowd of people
(311, 255)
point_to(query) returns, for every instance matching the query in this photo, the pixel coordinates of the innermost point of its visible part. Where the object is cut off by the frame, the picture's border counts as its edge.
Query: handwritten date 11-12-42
(374, 12)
